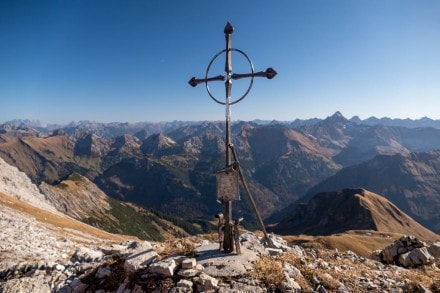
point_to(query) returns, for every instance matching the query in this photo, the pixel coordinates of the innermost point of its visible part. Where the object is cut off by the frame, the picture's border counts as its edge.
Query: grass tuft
(182, 246)
(62, 185)
(75, 177)
(269, 271)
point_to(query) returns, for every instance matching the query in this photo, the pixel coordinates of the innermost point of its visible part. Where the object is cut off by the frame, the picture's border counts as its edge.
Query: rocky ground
(42, 250)
(36, 258)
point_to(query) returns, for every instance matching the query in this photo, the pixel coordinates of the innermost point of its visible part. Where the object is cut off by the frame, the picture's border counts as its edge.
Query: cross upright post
(228, 243)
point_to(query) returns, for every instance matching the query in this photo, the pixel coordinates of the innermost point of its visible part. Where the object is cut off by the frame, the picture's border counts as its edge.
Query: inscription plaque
(227, 185)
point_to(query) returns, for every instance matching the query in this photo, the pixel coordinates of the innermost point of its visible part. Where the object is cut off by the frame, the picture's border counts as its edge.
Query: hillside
(410, 181)
(170, 166)
(46, 251)
(59, 254)
(32, 234)
(79, 198)
(351, 209)
(174, 173)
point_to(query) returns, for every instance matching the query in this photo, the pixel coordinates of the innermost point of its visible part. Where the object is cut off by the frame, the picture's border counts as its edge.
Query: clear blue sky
(131, 60)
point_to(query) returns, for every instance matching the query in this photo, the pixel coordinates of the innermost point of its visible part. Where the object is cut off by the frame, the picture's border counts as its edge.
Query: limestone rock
(298, 251)
(274, 251)
(291, 271)
(17, 184)
(242, 287)
(188, 273)
(389, 253)
(434, 250)
(421, 256)
(408, 251)
(189, 263)
(376, 255)
(84, 254)
(278, 243)
(140, 255)
(165, 267)
(26, 284)
(114, 249)
(207, 282)
(185, 284)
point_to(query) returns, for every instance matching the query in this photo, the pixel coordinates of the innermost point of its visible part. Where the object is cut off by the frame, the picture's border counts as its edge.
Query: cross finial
(229, 29)
(229, 76)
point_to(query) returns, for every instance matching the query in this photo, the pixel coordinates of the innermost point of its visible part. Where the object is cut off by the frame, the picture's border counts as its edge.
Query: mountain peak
(338, 114)
(158, 143)
(350, 209)
(337, 117)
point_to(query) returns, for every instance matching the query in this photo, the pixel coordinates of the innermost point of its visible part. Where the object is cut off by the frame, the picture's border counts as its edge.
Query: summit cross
(227, 78)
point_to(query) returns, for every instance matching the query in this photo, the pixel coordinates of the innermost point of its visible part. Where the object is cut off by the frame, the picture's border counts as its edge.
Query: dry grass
(387, 217)
(345, 271)
(58, 221)
(269, 271)
(357, 241)
(427, 276)
(112, 282)
(212, 237)
(53, 148)
(334, 268)
(183, 246)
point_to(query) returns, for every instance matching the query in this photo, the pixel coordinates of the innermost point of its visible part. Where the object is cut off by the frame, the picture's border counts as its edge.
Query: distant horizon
(39, 121)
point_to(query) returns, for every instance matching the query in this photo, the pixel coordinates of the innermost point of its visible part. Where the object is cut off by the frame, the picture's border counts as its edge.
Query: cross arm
(195, 81)
(269, 73)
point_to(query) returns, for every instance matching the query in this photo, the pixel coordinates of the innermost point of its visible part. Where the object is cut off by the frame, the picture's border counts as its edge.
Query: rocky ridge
(77, 197)
(350, 209)
(410, 181)
(280, 161)
(18, 185)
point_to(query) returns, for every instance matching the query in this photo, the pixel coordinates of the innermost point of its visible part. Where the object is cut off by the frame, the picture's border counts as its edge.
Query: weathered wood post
(227, 181)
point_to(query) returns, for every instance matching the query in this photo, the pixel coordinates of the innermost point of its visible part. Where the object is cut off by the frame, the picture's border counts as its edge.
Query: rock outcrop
(408, 251)
(77, 197)
(17, 184)
(139, 266)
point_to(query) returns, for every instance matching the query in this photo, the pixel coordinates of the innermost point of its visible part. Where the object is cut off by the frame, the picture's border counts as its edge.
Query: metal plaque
(227, 185)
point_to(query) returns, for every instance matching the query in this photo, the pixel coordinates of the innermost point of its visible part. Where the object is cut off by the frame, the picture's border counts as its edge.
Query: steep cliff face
(351, 209)
(77, 197)
(17, 184)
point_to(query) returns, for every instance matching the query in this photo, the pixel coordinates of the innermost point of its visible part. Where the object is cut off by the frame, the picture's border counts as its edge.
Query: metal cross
(269, 73)
(227, 78)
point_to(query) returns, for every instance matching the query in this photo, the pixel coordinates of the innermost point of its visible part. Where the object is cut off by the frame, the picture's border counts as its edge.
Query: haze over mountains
(170, 166)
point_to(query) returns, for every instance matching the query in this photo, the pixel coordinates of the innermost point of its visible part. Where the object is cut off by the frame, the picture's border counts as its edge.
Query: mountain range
(115, 128)
(170, 166)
